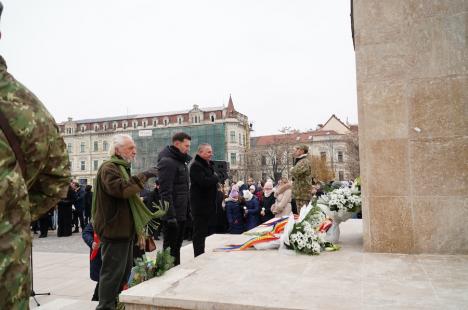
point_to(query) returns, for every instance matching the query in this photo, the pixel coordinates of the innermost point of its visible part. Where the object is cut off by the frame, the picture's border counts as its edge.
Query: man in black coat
(65, 212)
(203, 193)
(174, 189)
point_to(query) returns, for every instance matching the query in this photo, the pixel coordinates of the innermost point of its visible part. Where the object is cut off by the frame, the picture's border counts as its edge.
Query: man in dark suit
(203, 192)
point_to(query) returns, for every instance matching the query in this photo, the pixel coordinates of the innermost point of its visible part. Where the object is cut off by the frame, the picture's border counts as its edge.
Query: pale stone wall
(412, 81)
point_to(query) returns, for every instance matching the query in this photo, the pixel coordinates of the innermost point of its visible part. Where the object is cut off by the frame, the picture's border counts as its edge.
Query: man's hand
(151, 172)
(94, 246)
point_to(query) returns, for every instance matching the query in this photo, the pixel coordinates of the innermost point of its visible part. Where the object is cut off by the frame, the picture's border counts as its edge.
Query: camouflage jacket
(302, 179)
(47, 165)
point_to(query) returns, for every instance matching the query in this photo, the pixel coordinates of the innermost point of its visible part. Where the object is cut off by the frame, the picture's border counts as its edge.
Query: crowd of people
(72, 212)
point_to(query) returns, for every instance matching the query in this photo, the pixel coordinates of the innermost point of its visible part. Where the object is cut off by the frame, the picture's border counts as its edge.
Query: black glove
(151, 172)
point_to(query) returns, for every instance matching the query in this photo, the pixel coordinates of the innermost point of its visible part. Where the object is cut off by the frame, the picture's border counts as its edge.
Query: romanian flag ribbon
(278, 228)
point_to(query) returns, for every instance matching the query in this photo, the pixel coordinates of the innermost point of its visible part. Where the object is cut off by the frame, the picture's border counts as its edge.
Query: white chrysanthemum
(316, 247)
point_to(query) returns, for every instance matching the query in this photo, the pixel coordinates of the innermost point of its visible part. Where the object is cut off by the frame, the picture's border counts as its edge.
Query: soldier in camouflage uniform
(301, 174)
(26, 191)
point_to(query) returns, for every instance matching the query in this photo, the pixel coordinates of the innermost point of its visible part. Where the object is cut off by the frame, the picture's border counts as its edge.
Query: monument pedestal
(346, 279)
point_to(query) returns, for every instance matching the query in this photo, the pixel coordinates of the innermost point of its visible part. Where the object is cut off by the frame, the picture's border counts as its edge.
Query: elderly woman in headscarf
(268, 200)
(251, 210)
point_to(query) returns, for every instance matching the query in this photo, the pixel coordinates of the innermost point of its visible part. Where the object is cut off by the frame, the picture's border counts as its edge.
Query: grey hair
(202, 146)
(117, 141)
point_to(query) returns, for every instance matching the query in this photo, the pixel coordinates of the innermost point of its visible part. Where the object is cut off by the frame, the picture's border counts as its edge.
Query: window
(105, 126)
(196, 119)
(179, 120)
(114, 126)
(69, 148)
(96, 127)
(233, 158)
(341, 175)
(105, 146)
(264, 160)
(135, 124)
(233, 137)
(125, 125)
(82, 165)
(323, 156)
(155, 122)
(340, 157)
(144, 124)
(166, 122)
(95, 165)
(96, 146)
(240, 139)
(82, 147)
(212, 117)
(69, 131)
(82, 128)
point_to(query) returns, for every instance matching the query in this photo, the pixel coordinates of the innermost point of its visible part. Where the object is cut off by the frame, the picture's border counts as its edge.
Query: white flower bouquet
(340, 205)
(342, 200)
(307, 235)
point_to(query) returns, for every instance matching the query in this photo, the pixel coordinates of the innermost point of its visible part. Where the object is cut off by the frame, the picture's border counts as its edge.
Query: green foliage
(146, 268)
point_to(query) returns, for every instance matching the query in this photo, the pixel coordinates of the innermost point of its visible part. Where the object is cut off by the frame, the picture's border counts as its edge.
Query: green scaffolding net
(150, 142)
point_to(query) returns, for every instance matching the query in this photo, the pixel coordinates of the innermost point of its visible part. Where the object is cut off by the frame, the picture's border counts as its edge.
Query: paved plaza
(61, 267)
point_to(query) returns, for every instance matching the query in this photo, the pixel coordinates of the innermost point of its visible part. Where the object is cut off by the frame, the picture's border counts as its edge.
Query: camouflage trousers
(14, 269)
(15, 243)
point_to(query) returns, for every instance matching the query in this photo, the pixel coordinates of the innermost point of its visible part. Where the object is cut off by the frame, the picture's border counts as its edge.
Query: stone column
(412, 80)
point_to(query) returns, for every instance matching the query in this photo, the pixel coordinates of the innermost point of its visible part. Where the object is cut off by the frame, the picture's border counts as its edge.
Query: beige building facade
(88, 141)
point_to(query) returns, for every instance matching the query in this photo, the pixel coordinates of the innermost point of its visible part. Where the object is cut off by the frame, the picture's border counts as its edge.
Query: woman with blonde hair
(283, 195)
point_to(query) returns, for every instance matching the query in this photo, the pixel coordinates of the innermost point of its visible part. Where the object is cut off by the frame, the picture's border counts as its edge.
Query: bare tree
(321, 170)
(352, 151)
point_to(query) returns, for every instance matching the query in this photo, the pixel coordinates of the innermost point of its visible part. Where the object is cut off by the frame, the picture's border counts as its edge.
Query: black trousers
(173, 238)
(201, 230)
(64, 220)
(78, 215)
(96, 293)
(117, 260)
(44, 223)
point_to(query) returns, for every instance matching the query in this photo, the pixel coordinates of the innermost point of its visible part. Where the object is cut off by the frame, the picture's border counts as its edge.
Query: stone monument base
(347, 279)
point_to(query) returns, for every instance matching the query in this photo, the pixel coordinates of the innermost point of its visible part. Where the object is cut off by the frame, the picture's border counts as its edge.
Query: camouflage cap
(303, 147)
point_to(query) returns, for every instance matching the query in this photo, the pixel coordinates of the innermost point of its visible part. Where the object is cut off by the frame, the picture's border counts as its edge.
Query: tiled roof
(137, 116)
(302, 137)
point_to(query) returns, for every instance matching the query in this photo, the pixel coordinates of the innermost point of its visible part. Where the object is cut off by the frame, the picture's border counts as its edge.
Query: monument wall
(412, 82)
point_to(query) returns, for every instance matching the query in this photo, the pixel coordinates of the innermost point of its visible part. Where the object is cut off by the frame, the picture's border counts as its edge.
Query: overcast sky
(286, 63)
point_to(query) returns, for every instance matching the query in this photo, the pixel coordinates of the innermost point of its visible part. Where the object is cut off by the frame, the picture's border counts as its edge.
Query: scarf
(141, 215)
